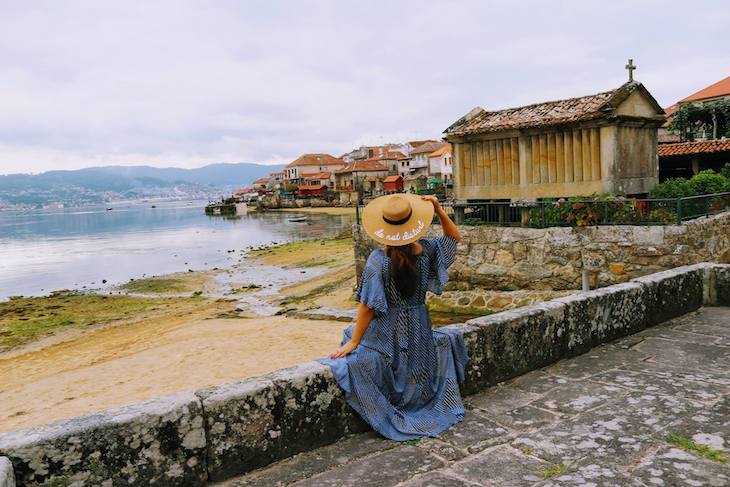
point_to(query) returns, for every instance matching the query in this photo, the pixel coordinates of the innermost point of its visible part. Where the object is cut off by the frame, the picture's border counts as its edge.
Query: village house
(308, 164)
(359, 177)
(439, 163)
(602, 143)
(393, 184)
(260, 184)
(275, 181)
(707, 145)
(419, 164)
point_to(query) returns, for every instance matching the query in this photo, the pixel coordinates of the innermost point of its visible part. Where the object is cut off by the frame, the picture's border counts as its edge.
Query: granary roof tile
(315, 160)
(548, 113)
(392, 179)
(700, 147)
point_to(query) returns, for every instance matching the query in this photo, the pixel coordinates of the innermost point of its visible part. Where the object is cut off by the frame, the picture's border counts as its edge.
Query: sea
(99, 247)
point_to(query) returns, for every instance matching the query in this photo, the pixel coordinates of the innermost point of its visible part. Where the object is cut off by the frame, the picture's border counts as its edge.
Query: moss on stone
(690, 446)
(555, 470)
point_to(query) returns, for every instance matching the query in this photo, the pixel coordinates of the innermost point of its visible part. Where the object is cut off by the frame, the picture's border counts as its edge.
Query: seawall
(213, 434)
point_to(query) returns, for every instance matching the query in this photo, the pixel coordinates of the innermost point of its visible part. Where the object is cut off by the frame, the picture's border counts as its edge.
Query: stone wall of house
(216, 433)
(506, 258)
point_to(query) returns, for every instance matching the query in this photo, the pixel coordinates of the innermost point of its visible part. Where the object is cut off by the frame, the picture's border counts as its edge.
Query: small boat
(109, 209)
(154, 206)
(297, 219)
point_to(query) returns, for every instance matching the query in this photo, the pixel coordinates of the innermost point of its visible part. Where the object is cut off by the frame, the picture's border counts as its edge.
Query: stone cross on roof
(630, 67)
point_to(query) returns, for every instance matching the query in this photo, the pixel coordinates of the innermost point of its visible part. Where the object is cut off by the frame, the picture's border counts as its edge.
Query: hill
(99, 184)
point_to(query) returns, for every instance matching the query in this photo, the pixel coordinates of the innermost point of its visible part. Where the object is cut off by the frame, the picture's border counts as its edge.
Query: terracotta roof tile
(315, 160)
(446, 149)
(318, 175)
(428, 147)
(701, 147)
(310, 187)
(721, 88)
(392, 179)
(362, 166)
(549, 113)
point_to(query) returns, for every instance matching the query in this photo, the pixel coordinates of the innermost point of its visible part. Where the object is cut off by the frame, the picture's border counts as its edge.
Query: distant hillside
(113, 178)
(98, 184)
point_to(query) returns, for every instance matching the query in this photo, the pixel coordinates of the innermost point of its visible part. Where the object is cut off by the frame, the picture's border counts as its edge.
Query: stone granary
(605, 142)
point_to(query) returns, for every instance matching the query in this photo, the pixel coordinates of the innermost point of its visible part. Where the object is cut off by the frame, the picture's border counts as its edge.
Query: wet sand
(125, 364)
(78, 371)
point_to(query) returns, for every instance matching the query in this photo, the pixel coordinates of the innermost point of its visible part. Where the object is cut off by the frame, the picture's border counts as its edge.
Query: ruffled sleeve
(371, 289)
(443, 254)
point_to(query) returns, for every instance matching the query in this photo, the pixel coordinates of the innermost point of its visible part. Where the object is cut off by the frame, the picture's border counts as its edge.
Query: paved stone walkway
(616, 416)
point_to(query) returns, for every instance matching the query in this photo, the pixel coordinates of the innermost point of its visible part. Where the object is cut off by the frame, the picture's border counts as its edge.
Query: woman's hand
(344, 350)
(434, 201)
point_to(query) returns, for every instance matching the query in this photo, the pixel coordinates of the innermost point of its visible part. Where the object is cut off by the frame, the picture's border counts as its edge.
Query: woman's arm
(448, 226)
(364, 317)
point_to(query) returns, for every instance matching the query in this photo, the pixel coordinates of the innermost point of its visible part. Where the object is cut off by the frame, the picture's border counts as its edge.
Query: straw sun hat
(397, 219)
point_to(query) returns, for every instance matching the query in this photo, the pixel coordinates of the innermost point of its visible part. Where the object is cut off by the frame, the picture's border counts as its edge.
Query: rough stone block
(674, 293)
(721, 274)
(7, 477)
(514, 342)
(255, 422)
(159, 442)
(595, 317)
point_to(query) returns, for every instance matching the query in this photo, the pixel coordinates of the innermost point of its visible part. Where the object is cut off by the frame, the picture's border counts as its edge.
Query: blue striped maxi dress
(403, 376)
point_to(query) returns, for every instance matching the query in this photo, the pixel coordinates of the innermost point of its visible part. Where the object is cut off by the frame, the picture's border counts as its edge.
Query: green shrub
(709, 182)
(672, 188)
(725, 171)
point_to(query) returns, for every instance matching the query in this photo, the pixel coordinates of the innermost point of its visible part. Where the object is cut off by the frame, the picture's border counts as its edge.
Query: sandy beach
(192, 342)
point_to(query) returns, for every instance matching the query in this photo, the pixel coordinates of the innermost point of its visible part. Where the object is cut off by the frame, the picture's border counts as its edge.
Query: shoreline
(326, 210)
(145, 349)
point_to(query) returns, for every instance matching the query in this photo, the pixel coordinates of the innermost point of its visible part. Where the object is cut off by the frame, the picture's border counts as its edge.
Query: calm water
(69, 249)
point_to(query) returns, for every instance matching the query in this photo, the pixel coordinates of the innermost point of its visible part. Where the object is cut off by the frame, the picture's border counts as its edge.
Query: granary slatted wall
(555, 157)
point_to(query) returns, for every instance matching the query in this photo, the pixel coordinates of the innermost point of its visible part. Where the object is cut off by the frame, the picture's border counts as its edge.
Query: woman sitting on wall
(397, 372)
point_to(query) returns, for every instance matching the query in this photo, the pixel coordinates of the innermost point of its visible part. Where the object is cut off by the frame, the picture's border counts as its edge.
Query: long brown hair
(403, 269)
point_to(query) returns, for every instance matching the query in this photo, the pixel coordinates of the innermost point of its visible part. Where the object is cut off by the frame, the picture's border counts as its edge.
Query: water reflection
(44, 251)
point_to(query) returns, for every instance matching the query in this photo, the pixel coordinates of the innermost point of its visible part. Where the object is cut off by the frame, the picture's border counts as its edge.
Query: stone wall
(505, 258)
(7, 478)
(190, 439)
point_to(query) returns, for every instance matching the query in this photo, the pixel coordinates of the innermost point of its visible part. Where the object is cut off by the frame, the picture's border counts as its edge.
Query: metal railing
(586, 211)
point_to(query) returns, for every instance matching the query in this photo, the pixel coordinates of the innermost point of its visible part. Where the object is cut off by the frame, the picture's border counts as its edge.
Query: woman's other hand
(434, 201)
(344, 350)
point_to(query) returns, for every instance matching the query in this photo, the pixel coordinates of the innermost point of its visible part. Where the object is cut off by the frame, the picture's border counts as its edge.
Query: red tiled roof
(362, 166)
(418, 143)
(392, 179)
(428, 147)
(701, 147)
(557, 112)
(318, 175)
(261, 181)
(310, 187)
(315, 160)
(446, 149)
(721, 88)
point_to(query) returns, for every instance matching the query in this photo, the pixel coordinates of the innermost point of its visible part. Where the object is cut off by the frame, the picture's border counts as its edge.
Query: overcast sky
(187, 83)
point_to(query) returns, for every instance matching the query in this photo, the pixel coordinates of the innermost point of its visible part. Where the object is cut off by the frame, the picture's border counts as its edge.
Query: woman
(397, 373)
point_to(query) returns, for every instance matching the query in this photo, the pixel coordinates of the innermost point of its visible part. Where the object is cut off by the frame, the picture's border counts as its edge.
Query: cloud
(187, 83)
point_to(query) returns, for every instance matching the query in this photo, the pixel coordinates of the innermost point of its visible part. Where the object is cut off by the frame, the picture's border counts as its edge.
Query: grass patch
(327, 252)
(554, 471)
(410, 442)
(157, 285)
(690, 446)
(527, 450)
(23, 320)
